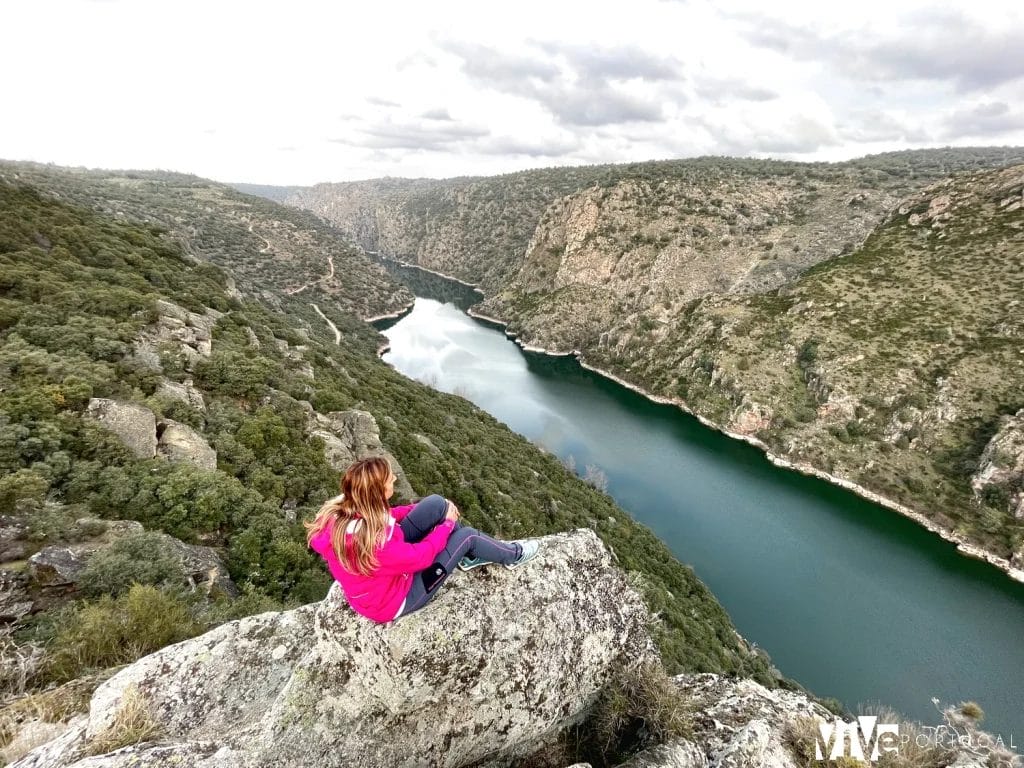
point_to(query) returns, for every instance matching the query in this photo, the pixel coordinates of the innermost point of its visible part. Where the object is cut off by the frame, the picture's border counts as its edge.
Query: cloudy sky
(299, 92)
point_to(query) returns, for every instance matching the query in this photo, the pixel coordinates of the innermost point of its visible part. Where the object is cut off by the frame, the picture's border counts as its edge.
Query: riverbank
(474, 286)
(963, 546)
(391, 315)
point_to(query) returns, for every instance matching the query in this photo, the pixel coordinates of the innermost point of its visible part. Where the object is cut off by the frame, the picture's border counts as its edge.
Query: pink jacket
(381, 596)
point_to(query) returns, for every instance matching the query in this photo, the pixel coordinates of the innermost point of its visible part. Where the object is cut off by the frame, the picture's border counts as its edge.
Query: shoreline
(474, 286)
(963, 547)
(390, 315)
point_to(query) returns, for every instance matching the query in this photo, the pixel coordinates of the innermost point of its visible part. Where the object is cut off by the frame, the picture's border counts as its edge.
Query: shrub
(23, 484)
(139, 558)
(638, 709)
(808, 354)
(119, 630)
(972, 710)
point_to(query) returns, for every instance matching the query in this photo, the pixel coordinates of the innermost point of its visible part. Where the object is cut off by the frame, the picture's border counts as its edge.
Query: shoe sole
(471, 567)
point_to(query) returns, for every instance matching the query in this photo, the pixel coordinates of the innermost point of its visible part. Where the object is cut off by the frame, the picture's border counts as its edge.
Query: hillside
(137, 390)
(272, 252)
(855, 318)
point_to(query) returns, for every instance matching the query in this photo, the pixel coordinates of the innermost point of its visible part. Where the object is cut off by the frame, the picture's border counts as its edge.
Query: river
(850, 599)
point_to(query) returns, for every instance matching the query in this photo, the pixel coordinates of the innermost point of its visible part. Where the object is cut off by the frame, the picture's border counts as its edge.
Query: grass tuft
(133, 723)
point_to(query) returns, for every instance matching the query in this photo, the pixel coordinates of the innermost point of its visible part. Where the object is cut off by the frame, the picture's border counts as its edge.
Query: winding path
(266, 248)
(328, 276)
(337, 333)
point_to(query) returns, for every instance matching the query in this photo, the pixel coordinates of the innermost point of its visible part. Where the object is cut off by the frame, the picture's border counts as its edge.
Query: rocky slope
(890, 367)
(857, 319)
(497, 667)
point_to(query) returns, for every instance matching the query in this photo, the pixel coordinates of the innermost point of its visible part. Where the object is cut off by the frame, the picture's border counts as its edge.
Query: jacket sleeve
(403, 557)
(400, 512)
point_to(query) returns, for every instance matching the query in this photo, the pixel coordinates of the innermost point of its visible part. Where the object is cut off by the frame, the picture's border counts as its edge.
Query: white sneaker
(530, 549)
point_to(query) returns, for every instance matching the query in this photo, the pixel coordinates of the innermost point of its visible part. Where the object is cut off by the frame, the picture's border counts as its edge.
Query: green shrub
(23, 484)
(637, 709)
(139, 558)
(110, 631)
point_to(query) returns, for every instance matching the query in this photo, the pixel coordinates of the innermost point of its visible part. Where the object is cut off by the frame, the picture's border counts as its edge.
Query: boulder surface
(492, 669)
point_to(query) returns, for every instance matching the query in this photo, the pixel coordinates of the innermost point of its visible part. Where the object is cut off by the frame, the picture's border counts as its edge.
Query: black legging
(462, 542)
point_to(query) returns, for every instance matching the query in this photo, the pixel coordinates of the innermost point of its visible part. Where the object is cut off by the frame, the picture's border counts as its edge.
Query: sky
(302, 92)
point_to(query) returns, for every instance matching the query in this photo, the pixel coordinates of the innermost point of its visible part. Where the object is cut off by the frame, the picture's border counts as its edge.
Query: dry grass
(53, 706)
(640, 708)
(133, 723)
(18, 663)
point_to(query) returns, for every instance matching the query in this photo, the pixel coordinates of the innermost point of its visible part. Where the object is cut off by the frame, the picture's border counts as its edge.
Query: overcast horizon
(311, 92)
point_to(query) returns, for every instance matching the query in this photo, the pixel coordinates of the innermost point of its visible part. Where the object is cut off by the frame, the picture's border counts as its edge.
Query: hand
(452, 513)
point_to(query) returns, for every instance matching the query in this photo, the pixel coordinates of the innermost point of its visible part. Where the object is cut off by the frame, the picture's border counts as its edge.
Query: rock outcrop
(54, 571)
(352, 435)
(180, 443)
(176, 328)
(1000, 473)
(737, 723)
(184, 392)
(137, 428)
(134, 424)
(494, 668)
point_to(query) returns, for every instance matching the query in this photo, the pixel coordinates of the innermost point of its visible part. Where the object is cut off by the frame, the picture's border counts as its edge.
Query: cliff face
(858, 319)
(889, 366)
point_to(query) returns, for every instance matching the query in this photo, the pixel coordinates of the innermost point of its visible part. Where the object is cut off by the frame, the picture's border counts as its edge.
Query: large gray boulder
(495, 667)
(133, 424)
(180, 443)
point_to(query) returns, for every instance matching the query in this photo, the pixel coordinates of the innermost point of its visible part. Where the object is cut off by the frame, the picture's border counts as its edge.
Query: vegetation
(133, 723)
(637, 710)
(267, 248)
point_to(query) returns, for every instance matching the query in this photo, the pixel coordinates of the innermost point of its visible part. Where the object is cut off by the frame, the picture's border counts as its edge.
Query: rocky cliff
(163, 435)
(890, 366)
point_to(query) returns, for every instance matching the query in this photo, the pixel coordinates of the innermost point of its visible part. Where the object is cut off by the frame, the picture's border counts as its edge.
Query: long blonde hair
(362, 498)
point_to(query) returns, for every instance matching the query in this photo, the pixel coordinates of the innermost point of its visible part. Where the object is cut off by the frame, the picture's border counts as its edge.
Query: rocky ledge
(495, 668)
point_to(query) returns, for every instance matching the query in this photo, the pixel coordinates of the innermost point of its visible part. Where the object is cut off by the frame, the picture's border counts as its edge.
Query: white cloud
(313, 91)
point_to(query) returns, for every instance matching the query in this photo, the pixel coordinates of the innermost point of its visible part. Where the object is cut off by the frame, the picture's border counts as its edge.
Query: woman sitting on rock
(391, 560)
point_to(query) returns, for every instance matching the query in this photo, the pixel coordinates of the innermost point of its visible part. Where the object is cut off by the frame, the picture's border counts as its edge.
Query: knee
(436, 502)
